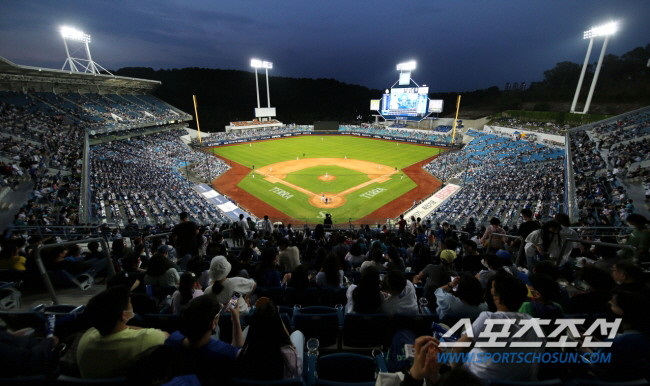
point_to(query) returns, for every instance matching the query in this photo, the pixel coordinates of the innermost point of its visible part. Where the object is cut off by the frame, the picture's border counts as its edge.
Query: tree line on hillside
(229, 95)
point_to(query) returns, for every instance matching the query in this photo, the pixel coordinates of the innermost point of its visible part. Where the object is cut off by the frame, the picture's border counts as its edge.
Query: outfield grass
(357, 205)
(345, 179)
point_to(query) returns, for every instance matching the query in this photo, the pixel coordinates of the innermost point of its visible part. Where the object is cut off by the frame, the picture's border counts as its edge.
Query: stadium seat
(345, 369)
(305, 298)
(551, 382)
(287, 382)
(160, 293)
(333, 297)
(9, 296)
(62, 279)
(64, 380)
(595, 382)
(33, 380)
(419, 324)
(365, 331)
(318, 322)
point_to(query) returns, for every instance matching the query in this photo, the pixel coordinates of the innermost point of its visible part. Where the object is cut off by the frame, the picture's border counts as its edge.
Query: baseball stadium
(172, 227)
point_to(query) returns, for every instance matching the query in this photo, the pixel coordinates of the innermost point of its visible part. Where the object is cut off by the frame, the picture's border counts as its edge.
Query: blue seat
(35, 380)
(333, 297)
(306, 297)
(160, 292)
(345, 368)
(550, 382)
(318, 322)
(287, 382)
(62, 279)
(420, 324)
(365, 331)
(64, 380)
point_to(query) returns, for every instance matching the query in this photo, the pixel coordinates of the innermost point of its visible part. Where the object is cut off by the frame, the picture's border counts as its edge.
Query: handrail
(43, 271)
(598, 243)
(145, 238)
(521, 246)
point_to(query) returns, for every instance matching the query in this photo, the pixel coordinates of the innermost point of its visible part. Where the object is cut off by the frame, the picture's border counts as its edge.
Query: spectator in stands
(545, 291)
(401, 297)
(185, 235)
(57, 261)
(494, 241)
(210, 359)
(437, 275)
(24, 354)
(197, 266)
(119, 250)
(331, 274)
(217, 246)
(108, 347)
(223, 287)
(289, 255)
(267, 227)
(629, 277)
(365, 297)
(544, 244)
(377, 259)
(460, 298)
(606, 255)
(421, 257)
(630, 350)
(401, 224)
(267, 270)
(269, 352)
(355, 256)
(639, 238)
(599, 285)
(471, 260)
(160, 272)
(395, 262)
(508, 294)
(188, 289)
(493, 264)
(10, 257)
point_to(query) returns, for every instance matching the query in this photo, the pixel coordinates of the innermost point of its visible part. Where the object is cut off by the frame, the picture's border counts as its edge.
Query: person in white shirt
(267, 227)
(508, 294)
(223, 287)
(401, 297)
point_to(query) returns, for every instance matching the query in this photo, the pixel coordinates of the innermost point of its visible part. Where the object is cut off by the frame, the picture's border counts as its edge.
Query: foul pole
(196, 116)
(453, 135)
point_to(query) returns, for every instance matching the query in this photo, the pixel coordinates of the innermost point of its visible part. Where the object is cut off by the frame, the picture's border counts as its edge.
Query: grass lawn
(358, 204)
(345, 179)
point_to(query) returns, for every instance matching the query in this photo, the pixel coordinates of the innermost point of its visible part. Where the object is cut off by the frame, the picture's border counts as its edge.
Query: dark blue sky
(459, 44)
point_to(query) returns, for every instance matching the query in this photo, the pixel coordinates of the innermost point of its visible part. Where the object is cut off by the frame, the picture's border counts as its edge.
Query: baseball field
(303, 178)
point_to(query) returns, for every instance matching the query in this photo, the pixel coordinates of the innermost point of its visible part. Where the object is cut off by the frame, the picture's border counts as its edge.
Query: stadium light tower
(256, 63)
(604, 30)
(408, 66)
(77, 64)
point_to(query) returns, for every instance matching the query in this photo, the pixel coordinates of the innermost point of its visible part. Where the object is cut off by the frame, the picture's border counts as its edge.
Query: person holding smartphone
(462, 297)
(222, 286)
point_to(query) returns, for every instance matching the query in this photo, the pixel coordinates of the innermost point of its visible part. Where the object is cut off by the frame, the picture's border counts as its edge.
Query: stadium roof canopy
(15, 77)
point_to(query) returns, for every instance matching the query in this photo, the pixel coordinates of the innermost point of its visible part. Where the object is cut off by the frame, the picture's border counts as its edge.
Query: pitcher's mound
(332, 201)
(328, 178)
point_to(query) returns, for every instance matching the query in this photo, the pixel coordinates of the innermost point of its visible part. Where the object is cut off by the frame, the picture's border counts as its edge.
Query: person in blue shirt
(210, 359)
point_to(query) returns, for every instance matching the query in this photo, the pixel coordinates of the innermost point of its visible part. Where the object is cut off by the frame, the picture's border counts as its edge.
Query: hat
(448, 256)
(163, 249)
(504, 255)
(219, 268)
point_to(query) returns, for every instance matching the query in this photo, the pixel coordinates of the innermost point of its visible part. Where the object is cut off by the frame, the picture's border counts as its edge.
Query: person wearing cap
(223, 287)
(437, 275)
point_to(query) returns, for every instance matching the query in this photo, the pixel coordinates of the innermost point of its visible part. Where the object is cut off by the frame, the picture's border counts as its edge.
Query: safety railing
(598, 243)
(520, 253)
(152, 236)
(43, 271)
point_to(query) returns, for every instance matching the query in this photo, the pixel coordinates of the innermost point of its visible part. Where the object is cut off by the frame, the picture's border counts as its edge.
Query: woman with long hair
(355, 257)
(188, 289)
(331, 274)
(267, 270)
(160, 272)
(493, 241)
(365, 297)
(269, 352)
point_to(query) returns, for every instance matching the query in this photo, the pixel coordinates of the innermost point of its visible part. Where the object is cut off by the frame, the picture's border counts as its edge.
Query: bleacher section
(425, 135)
(501, 177)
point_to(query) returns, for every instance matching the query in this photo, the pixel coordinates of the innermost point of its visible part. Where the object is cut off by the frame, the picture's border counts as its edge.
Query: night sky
(459, 45)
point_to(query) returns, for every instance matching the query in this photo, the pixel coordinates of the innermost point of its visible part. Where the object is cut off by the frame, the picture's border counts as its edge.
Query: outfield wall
(365, 135)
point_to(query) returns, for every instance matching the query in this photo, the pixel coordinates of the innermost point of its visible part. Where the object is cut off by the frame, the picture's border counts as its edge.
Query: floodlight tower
(255, 63)
(604, 30)
(76, 64)
(405, 72)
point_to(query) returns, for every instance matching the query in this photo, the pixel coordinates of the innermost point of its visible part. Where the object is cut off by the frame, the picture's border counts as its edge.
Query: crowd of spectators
(380, 272)
(500, 176)
(144, 176)
(252, 133)
(540, 127)
(424, 135)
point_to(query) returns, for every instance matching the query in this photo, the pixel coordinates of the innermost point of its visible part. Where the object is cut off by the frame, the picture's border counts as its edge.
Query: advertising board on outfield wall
(207, 142)
(430, 204)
